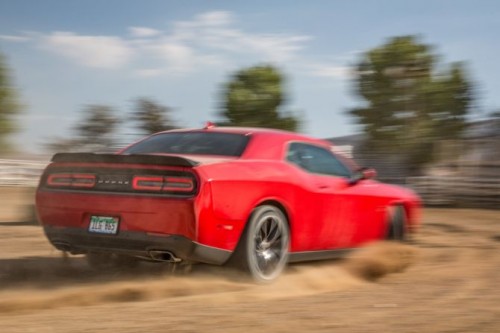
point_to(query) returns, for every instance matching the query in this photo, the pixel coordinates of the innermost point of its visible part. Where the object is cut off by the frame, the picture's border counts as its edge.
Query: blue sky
(67, 54)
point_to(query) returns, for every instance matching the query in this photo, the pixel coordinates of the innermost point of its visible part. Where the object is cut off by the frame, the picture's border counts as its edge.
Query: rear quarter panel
(238, 187)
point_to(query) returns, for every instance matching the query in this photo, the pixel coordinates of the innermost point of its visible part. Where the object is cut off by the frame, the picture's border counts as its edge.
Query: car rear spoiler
(129, 159)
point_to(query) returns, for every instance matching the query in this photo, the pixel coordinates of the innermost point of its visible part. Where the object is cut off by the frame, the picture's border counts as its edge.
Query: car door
(335, 221)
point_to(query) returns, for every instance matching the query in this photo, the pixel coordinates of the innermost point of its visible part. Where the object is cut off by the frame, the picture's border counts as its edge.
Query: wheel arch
(275, 203)
(270, 202)
(403, 204)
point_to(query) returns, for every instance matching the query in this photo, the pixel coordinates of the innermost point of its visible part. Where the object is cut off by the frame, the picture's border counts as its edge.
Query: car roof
(266, 143)
(233, 129)
(255, 131)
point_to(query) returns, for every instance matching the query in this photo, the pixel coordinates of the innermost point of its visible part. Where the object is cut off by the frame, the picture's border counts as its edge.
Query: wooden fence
(457, 191)
(20, 172)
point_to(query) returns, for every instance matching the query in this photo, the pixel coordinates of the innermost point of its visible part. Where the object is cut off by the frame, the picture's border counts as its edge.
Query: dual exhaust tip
(165, 256)
(155, 255)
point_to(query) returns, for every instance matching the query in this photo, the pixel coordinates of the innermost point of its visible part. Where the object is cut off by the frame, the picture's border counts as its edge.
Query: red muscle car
(252, 197)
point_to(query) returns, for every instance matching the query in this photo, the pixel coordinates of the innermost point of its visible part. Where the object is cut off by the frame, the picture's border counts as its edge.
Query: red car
(257, 198)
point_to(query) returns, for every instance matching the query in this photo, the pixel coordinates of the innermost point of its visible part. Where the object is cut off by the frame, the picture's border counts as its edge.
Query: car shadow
(55, 272)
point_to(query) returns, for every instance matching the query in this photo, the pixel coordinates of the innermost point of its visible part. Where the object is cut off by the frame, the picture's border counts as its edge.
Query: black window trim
(243, 148)
(335, 155)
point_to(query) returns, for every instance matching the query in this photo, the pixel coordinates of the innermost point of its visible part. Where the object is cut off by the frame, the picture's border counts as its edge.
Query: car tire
(263, 248)
(397, 224)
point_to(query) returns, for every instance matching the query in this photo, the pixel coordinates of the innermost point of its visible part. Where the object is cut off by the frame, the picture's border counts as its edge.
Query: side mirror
(369, 173)
(362, 174)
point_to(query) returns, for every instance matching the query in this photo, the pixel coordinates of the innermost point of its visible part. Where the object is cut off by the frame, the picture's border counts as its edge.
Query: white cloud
(91, 51)
(143, 32)
(210, 39)
(274, 47)
(214, 18)
(177, 56)
(207, 40)
(16, 39)
(206, 20)
(214, 31)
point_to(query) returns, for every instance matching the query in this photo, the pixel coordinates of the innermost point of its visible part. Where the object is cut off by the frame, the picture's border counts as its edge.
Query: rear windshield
(198, 143)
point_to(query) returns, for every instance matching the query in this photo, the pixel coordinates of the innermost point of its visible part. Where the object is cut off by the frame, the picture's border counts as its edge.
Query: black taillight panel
(118, 180)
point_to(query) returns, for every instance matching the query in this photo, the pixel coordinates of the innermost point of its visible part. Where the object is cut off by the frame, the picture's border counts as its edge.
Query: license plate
(104, 225)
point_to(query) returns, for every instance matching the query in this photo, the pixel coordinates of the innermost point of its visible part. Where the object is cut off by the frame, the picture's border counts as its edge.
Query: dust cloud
(450, 284)
(48, 283)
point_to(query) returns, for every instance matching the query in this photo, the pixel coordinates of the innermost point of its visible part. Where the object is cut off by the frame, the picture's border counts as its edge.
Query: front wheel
(263, 248)
(397, 224)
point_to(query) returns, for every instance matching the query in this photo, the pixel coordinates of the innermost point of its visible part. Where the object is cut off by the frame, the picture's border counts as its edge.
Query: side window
(316, 160)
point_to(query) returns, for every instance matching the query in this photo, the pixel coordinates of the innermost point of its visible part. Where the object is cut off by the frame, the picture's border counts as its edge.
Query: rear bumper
(77, 240)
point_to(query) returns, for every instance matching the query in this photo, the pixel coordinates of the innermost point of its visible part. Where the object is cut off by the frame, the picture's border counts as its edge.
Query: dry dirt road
(446, 280)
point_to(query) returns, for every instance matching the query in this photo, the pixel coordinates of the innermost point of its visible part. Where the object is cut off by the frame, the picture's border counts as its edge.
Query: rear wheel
(263, 248)
(397, 223)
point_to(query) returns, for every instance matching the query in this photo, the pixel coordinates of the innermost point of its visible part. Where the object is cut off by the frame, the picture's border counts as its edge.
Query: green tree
(495, 114)
(97, 130)
(253, 97)
(410, 102)
(152, 117)
(9, 106)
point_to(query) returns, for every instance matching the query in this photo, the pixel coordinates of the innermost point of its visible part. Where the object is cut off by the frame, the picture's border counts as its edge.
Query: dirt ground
(446, 280)
(16, 204)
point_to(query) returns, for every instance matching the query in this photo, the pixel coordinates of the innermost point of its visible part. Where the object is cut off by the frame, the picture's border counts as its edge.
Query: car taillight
(163, 184)
(147, 183)
(180, 184)
(71, 180)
